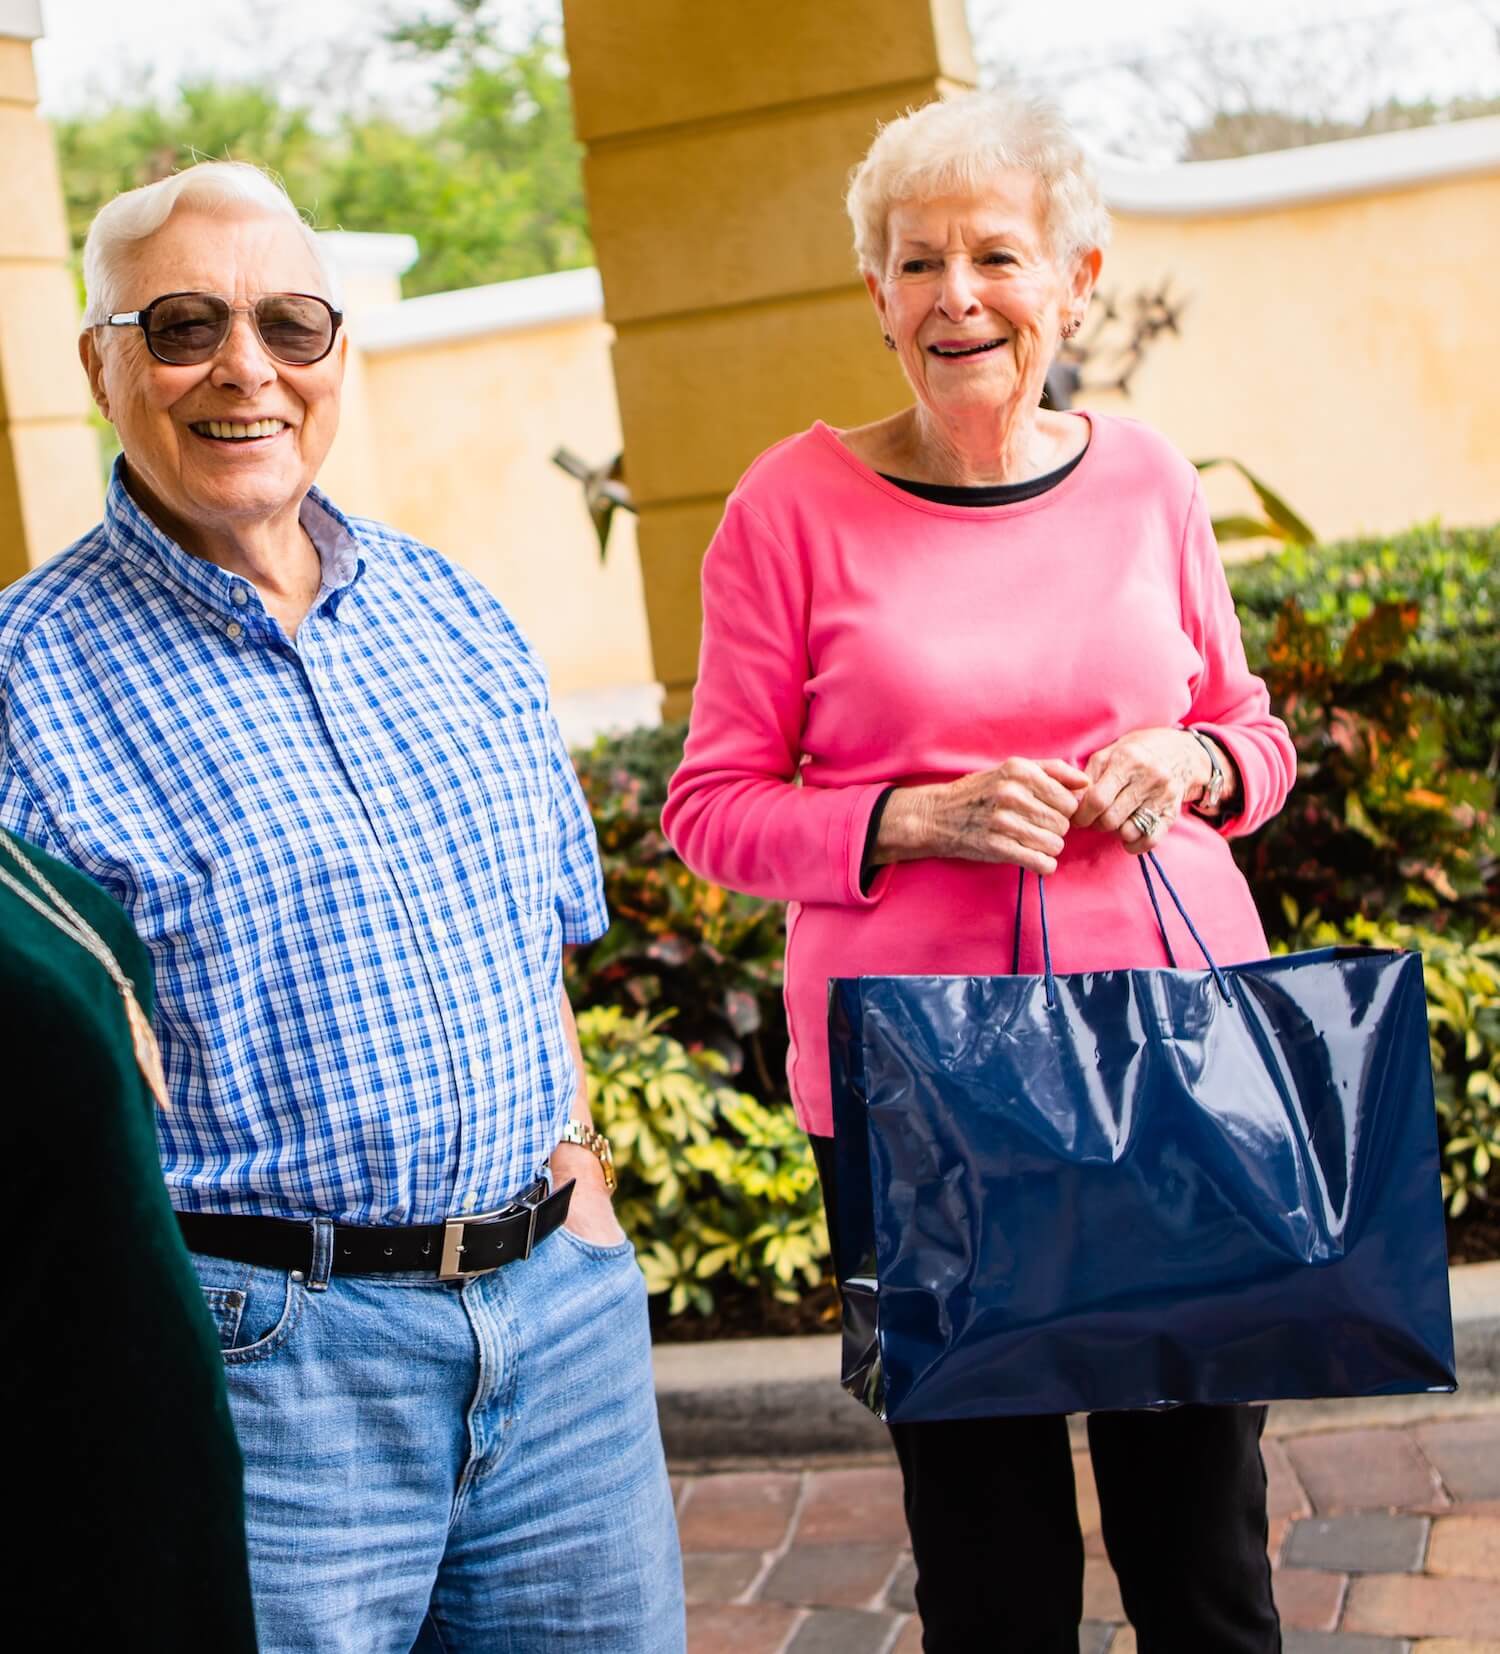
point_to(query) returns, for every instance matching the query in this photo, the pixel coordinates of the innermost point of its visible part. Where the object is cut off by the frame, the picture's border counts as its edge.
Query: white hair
(208, 187)
(958, 145)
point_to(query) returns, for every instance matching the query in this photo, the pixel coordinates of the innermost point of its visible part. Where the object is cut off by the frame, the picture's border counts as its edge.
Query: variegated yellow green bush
(715, 1187)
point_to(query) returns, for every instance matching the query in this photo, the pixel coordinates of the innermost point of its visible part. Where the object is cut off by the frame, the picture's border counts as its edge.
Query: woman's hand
(1017, 813)
(1154, 771)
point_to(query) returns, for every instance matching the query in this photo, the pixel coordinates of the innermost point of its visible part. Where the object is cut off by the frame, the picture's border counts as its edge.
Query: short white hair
(208, 187)
(958, 145)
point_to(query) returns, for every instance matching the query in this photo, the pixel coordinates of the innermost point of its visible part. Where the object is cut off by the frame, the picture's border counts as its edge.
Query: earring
(890, 343)
(1071, 328)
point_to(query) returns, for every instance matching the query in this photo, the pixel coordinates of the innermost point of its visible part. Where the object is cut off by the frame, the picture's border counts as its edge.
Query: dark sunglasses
(188, 328)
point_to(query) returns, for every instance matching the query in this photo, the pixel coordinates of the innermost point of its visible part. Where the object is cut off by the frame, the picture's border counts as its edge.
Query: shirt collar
(224, 598)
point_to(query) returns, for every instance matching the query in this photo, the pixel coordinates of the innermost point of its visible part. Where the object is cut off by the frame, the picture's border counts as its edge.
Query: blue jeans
(451, 1468)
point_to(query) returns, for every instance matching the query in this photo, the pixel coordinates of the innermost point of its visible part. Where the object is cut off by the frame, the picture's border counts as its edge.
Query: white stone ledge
(1295, 177)
(503, 307)
(588, 713)
(21, 19)
(366, 253)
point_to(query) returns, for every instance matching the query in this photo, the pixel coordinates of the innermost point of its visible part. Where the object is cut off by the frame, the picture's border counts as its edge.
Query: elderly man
(316, 764)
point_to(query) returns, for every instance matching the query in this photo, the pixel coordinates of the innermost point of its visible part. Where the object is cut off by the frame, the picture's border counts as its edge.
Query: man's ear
(93, 365)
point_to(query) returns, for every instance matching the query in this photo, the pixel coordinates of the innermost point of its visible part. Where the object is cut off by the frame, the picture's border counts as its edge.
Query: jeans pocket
(254, 1310)
(591, 1249)
(226, 1305)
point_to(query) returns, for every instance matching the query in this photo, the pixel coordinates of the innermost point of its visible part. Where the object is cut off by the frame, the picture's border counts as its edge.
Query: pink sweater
(856, 636)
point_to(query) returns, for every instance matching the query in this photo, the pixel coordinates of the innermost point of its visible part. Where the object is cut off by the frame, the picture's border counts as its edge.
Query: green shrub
(675, 939)
(1383, 656)
(1463, 1020)
(1384, 820)
(1451, 575)
(714, 1186)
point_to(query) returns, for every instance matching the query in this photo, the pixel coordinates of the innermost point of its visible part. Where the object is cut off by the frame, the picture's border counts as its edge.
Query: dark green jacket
(122, 1474)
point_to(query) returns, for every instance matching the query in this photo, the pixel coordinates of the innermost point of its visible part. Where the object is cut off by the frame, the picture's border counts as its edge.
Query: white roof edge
(1291, 177)
(21, 20)
(502, 307)
(362, 252)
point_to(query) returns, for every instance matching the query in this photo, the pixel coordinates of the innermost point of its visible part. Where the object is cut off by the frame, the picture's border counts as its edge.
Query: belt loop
(322, 1255)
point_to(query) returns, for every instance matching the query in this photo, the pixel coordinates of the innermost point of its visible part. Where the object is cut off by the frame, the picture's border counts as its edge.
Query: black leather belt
(451, 1251)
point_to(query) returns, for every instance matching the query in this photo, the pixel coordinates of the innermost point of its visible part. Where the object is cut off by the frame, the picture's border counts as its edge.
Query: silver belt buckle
(450, 1266)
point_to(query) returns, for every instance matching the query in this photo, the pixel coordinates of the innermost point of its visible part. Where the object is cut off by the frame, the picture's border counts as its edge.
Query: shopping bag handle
(1041, 896)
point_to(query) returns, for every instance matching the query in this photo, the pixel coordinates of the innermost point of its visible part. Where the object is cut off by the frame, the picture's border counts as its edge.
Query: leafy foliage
(714, 1186)
(1279, 521)
(1451, 575)
(1463, 1018)
(1383, 659)
(490, 184)
(675, 939)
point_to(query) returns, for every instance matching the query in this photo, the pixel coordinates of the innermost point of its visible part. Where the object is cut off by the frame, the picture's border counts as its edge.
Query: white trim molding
(1296, 177)
(502, 307)
(21, 19)
(588, 713)
(361, 253)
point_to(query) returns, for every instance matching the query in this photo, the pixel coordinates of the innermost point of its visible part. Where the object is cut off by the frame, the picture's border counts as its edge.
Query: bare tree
(1207, 92)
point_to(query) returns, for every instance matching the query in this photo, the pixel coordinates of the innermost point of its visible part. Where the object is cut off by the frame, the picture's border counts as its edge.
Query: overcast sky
(98, 51)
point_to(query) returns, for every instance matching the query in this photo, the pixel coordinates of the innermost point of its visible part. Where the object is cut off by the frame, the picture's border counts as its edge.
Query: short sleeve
(580, 879)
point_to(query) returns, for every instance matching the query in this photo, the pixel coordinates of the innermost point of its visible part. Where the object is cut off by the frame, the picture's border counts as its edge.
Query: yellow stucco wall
(719, 140)
(49, 473)
(464, 434)
(1346, 350)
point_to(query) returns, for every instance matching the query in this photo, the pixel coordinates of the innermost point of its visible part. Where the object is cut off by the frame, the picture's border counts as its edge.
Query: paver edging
(779, 1397)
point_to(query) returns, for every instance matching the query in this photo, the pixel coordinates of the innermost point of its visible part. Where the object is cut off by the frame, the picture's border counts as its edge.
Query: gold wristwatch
(597, 1144)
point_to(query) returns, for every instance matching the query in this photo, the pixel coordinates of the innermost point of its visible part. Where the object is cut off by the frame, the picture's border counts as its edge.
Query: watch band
(597, 1144)
(1208, 804)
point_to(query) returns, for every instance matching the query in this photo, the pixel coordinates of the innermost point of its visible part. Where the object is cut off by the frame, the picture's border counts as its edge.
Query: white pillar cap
(21, 19)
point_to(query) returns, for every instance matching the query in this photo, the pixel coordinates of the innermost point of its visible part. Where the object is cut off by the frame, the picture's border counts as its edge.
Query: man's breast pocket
(509, 802)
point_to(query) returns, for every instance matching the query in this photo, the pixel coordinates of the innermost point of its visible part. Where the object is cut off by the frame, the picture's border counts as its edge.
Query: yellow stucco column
(719, 144)
(50, 487)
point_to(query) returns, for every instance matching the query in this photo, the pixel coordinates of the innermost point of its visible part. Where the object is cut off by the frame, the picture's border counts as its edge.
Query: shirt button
(239, 597)
(234, 631)
(384, 795)
(470, 1202)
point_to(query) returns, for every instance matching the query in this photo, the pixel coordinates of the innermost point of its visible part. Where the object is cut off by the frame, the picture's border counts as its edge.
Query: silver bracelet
(1209, 804)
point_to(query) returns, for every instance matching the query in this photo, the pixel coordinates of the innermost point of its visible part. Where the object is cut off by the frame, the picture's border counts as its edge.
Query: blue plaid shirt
(355, 859)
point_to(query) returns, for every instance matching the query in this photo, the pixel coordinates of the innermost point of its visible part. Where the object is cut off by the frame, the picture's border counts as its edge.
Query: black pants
(996, 1539)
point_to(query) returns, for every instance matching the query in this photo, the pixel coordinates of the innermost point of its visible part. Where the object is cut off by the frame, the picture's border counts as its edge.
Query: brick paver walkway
(1385, 1541)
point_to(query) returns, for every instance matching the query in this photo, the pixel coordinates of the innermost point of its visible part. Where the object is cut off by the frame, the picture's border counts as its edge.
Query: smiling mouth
(980, 347)
(225, 430)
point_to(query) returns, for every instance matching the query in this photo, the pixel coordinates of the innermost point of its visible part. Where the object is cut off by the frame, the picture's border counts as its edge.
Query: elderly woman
(973, 638)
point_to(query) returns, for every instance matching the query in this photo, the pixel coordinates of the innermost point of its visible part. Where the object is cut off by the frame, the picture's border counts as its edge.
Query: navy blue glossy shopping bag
(1135, 1188)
